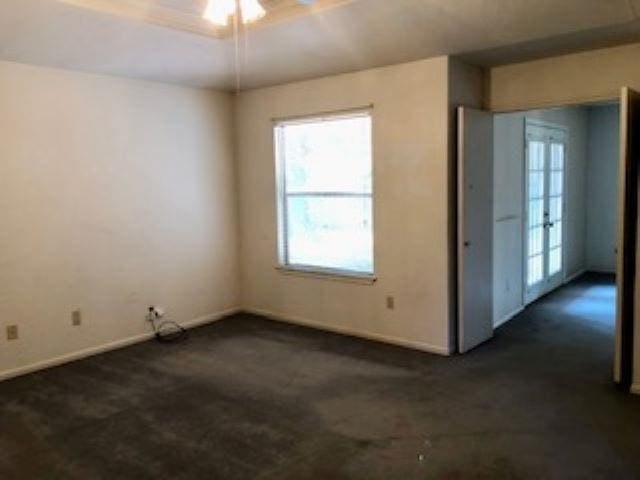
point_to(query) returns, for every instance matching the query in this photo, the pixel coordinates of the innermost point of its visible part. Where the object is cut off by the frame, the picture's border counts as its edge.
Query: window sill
(327, 274)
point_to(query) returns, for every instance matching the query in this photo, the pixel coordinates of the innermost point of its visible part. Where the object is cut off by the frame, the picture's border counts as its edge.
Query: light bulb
(251, 10)
(219, 11)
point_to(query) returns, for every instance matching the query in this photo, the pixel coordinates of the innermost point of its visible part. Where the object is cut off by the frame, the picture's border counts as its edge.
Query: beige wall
(115, 194)
(576, 78)
(118, 193)
(602, 187)
(411, 206)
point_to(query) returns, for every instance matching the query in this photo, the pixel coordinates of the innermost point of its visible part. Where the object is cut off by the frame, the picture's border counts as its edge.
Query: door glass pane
(535, 207)
(534, 272)
(330, 232)
(536, 184)
(545, 189)
(555, 260)
(556, 177)
(536, 236)
(536, 155)
(556, 183)
(557, 156)
(555, 235)
(555, 209)
(536, 213)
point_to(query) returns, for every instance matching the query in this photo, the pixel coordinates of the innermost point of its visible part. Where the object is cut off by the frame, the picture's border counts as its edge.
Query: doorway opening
(544, 198)
(555, 205)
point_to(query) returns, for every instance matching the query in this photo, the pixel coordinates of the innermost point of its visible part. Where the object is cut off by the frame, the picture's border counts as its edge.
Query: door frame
(630, 290)
(551, 126)
(627, 237)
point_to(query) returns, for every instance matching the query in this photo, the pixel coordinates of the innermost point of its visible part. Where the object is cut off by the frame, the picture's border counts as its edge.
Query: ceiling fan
(219, 11)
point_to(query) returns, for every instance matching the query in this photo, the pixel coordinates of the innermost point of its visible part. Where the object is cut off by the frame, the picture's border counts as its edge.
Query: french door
(546, 148)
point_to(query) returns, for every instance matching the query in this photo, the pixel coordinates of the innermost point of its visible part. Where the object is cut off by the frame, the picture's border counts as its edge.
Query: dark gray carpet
(248, 398)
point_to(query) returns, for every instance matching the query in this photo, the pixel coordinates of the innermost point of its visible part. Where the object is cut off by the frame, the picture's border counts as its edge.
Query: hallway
(576, 321)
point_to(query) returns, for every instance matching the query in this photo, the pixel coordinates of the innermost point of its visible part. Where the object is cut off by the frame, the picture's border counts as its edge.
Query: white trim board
(608, 271)
(573, 276)
(125, 342)
(566, 280)
(635, 389)
(544, 124)
(376, 337)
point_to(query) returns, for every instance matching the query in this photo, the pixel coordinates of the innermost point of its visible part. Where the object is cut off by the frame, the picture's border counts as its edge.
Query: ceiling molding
(186, 15)
(283, 10)
(153, 12)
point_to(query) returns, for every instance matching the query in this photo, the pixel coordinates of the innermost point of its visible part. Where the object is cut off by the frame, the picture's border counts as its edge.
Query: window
(325, 194)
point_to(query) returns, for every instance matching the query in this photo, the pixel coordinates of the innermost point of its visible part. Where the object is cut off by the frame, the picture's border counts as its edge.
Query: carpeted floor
(248, 398)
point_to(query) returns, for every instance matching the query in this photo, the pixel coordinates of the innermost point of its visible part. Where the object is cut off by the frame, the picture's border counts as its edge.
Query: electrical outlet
(76, 318)
(154, 313)
(391, 303)
(12, 332)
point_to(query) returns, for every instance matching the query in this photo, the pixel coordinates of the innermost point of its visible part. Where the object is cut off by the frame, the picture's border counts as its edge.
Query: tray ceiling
(312, 42)
(186, 15)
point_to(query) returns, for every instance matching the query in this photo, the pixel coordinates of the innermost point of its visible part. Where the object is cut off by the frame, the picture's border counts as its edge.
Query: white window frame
(281, 200)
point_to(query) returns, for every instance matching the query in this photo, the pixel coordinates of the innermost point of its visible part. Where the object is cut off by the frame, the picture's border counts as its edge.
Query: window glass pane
(330, 232)
(326, 205)
(534, 273)
(555, 260)
(328, 156)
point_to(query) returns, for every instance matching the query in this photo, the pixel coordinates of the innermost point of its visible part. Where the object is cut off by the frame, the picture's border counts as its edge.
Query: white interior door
(544, 208)
(475, 228)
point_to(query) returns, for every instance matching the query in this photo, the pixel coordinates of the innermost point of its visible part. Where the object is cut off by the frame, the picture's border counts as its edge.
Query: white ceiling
(362, 34)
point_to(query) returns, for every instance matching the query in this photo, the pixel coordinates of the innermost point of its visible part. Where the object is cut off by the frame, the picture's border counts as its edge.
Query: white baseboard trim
(125, 342)
(602, 270)
(508, 317)
(401, 342)
(635, 389)
(575, 275)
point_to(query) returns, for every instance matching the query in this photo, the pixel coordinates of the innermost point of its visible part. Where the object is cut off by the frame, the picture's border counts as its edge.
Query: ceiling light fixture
(219, 11)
